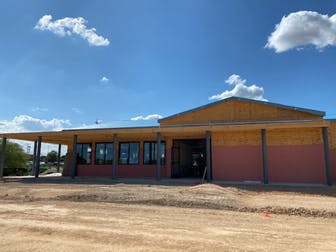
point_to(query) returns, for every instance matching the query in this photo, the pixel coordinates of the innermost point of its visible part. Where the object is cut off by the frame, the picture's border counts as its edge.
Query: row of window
(128, 153)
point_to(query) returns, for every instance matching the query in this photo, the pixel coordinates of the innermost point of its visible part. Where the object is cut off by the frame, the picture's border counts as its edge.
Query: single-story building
(235, 139)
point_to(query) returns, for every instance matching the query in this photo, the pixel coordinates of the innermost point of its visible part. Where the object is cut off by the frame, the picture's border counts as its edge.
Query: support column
(38, 157)
(34, 158)
(74, 157)
(208, 155)
(326, 155)
(59, 157)
(158, 156)
(115, 156)
(264, 156)
(3, 155)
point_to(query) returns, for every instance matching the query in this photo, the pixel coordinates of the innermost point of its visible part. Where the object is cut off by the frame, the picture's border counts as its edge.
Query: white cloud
(104, 79)
(26, 123)
(38, 109)
(146, 118)
(76, 110)
(303, 28)
(69, 26)
(240, 90)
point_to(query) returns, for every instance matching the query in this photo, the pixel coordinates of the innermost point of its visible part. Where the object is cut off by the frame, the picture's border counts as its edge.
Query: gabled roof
(234, 98)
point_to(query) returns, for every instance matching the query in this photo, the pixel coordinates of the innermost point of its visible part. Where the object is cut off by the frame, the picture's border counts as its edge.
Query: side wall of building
(293, 156)
(237, 156)
(296, 156)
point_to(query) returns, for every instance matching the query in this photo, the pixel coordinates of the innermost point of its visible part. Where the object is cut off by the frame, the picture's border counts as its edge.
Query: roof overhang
(101, 135)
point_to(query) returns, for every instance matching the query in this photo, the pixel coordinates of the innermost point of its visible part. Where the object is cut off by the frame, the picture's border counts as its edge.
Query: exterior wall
(293, 156)
(296, 164)
(94, 170)
(238, 111)
(125, 171)
(296, 156)
(139, 171)
(237, 156)
(122, 171)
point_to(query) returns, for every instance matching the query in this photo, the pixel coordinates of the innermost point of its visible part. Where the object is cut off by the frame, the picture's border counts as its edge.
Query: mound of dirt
(300, 211)
(212, 188)
(205, 196)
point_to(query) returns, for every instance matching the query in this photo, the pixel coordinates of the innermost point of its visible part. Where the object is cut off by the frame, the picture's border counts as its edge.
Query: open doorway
(188, 158)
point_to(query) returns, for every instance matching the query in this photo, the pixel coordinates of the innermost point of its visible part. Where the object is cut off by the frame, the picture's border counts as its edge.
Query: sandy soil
(53, 215)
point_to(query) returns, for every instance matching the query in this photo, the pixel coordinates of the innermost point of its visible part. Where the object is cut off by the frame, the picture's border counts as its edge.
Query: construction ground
(60, 214)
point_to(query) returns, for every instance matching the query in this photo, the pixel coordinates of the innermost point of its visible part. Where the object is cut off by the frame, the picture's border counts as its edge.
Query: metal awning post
(38, 157)
(208, 155)
(59, 157)
(74, 157)
(326, 155)
(264, 156)
(158, 156)
(3, 156)
(34, 158)
(115, 157)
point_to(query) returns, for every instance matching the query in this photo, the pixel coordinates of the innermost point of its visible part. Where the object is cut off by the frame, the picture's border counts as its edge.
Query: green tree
(15, 157)
(52, 156)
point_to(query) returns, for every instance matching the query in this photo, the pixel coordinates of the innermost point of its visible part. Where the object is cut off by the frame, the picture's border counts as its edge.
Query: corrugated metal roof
(234, 98)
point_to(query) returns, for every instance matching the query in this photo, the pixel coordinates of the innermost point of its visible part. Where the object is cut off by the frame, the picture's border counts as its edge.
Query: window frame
(151, 149)
(80, 154)
(104, 154)
(129, 153)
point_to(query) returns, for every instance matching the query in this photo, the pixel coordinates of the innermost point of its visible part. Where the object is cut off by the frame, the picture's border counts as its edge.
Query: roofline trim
(239, 123)
(118, 128)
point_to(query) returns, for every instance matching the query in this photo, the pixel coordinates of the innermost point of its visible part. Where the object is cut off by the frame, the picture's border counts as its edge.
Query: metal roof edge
(240, 123)
(118, 128)
(235, 98)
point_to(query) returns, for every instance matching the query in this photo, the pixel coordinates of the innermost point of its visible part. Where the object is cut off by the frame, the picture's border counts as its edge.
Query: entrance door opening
(188, 158)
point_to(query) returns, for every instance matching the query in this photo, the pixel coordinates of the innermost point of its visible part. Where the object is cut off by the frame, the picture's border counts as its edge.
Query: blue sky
(147, 59)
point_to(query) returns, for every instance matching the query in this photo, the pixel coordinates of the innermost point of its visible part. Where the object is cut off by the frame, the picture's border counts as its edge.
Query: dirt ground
(58, 214)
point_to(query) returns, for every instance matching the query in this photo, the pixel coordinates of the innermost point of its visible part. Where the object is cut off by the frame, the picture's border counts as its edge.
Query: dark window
(150, 152)
(129, 153)
(104, 153)
(83, 153)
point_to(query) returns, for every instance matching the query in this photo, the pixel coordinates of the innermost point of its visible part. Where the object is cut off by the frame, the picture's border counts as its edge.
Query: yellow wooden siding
(236, 138)
(294, 136)
(238, 111)
(303, 136)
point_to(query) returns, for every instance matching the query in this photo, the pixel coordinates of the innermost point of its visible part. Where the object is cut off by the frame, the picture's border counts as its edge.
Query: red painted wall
(122, 171)
(94, 170)
(139, 171)
(296, 163)
(237, 163)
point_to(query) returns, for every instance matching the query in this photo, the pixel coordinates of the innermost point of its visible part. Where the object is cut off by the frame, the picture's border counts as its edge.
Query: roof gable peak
(246, 100)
